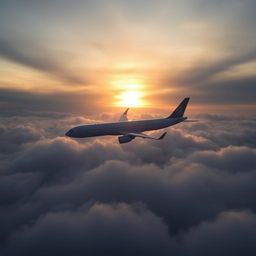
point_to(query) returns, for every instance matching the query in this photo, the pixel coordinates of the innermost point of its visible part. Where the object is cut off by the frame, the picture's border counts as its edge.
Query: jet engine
(125, 139)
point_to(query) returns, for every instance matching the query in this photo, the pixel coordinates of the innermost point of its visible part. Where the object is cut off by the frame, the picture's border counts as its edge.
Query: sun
(130, 92)
(130, 99)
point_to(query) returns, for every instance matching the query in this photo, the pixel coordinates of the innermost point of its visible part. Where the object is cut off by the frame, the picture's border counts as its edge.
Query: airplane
(129, 130)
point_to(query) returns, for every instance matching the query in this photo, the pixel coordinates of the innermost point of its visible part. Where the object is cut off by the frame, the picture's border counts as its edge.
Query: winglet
(123, 117)
(162, 136)
(179, 111)
(126, 111)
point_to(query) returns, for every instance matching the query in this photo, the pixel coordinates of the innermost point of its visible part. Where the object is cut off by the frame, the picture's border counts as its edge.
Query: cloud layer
(190, 194)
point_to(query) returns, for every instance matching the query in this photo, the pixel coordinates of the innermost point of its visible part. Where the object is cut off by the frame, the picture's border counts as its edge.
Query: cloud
(102, 229)
(234, 159)
(211, 81)
(204, 71)
(224, 131)
(183, 194)
(242, 91)
(146, 196)
(26, 54)
(231, 233)
(19, 103)
(12, 138)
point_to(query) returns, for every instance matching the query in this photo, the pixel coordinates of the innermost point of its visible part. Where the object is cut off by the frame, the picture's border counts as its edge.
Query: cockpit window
(71, 131)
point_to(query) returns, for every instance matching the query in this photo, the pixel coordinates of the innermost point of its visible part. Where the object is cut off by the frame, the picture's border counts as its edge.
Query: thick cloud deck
(190, 194)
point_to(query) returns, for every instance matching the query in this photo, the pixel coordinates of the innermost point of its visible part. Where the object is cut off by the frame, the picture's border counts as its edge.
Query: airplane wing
(144, 136)
(123, 117)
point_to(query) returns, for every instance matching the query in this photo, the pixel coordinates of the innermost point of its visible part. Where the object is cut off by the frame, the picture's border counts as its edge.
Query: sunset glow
(130, 99)
(128, 53)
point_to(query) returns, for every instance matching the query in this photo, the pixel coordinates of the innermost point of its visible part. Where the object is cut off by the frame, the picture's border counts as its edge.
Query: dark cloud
(205, 70)
(242, 90)
(224, 131)
(175, 192)
(18, 103)
(96, 197)
(234, 159)
(200, 81)
(99, 230)
(12, 138)
(232, 233)
(25, 53)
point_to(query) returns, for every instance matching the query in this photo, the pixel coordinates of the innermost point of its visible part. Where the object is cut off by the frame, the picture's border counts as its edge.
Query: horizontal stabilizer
(162, 136)
(190, 120)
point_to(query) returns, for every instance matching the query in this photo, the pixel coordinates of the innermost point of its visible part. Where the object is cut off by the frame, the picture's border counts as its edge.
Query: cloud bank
(191, 194)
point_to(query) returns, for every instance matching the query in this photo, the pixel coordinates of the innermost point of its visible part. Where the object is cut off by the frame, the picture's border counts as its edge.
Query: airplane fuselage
(120, 128)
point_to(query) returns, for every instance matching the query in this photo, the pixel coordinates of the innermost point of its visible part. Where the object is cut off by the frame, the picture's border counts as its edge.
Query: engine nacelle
(125, 139)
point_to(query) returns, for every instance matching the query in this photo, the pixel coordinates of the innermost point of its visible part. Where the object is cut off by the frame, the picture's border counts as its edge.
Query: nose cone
(71, 133)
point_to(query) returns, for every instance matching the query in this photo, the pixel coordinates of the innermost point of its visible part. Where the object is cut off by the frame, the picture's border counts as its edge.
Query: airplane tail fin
(179, 111)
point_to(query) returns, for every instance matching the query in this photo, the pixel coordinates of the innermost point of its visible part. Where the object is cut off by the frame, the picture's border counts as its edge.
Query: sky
(69, 63)
(162, 50)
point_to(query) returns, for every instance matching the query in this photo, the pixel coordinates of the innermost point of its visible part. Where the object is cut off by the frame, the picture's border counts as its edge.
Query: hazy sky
(167, 49)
